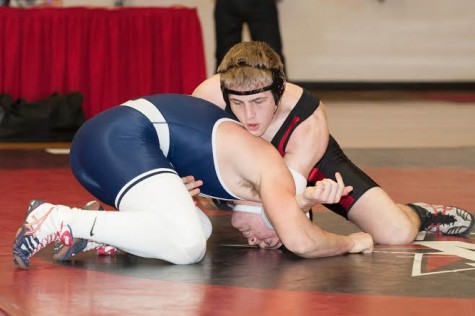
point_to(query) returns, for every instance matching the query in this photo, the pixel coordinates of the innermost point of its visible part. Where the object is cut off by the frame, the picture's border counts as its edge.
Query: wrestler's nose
(249, 111)
(252, 241)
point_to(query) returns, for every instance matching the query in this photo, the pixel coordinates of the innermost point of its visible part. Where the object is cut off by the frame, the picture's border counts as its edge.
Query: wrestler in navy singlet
(334, 160)
(164, 133)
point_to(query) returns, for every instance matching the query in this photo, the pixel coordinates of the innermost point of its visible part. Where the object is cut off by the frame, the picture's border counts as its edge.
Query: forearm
(308, 240)
(323, 244)
(328, 246)
(300, 235)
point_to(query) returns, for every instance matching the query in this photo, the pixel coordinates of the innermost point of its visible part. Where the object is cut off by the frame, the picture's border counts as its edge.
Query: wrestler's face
(254, 111)
(255, 231)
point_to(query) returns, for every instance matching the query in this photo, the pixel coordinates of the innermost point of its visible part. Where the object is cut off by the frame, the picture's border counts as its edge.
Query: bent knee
(189, 253)
(396, 236)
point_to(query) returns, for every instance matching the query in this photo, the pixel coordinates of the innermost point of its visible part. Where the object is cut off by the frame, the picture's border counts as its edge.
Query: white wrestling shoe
(447, 220)
(43, 225)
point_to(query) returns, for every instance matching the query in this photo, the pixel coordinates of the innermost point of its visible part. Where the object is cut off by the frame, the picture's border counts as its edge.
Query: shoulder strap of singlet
(306, 105)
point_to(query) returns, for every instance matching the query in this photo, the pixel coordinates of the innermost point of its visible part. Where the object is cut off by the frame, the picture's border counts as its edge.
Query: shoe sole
(469, 228)
(18, 257)
(64, 253)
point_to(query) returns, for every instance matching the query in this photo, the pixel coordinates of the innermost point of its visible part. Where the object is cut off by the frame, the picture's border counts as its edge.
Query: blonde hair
(252, 65)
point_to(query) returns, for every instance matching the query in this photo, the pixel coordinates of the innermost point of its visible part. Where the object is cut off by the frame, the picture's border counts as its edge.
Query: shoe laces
(440, 218)
(60, 235)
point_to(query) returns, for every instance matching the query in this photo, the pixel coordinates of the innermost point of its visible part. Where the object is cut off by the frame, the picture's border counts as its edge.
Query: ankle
(423, 214)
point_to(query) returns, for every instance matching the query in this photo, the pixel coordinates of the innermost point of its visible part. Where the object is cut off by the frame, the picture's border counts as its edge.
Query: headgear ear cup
(225, 94)
(279, 84)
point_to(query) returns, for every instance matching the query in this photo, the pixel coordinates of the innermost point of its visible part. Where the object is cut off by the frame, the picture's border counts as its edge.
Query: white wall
(369, 40)
(361, 40)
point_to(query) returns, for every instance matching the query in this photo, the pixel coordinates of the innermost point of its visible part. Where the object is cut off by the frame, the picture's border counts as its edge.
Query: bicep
(308, 143)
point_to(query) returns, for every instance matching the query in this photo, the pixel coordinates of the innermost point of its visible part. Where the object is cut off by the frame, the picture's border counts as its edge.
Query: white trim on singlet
(161, 126)
(137, 179)
(153, 114)
(215, 157)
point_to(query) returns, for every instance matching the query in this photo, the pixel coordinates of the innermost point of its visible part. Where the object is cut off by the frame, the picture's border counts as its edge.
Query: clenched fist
(362, 242)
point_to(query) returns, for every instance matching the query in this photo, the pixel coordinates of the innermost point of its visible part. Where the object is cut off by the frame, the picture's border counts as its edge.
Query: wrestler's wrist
(304, 204)
(351, 244)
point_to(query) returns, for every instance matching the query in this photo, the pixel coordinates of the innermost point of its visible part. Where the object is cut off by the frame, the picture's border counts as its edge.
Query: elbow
(301, 239)
(300, 248)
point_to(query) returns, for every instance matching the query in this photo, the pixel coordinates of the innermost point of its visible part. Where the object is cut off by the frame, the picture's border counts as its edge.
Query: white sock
(157, 219)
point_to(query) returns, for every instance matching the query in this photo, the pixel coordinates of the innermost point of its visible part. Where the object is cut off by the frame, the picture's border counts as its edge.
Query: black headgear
(277, 86)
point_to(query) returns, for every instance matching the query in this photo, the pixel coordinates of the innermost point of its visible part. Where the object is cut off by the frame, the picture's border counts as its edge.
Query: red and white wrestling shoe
(447, 220)
(43, 225)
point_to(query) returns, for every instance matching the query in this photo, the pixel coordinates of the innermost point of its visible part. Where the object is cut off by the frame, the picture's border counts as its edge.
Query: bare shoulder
(291, 95)
(315, 124)
(210, 90)
(241, 148)
(308, 142)
(235, 135)
(245, 157)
